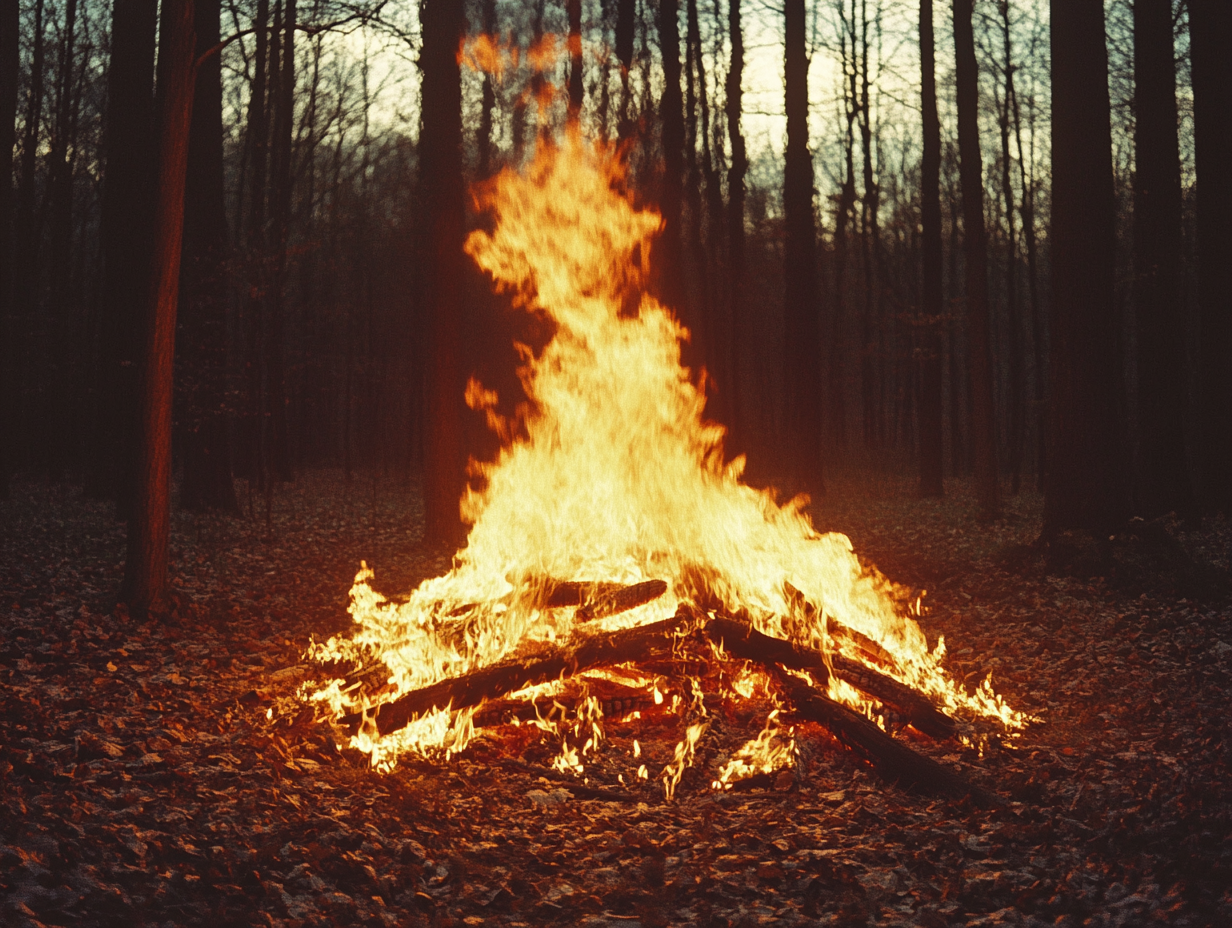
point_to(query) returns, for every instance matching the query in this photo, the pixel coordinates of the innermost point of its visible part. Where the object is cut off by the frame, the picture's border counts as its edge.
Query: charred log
(892, 759)
(599, 599)
(511, 675)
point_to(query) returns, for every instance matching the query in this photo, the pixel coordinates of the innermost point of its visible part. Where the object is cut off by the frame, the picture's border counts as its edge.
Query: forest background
(309, 302)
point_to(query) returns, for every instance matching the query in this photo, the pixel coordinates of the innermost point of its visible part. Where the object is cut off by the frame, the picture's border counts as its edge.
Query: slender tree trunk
(257, 466)
(959, 381)
(694, 87)
(803, 368)
(931, 424)
(284, 122)
(574, 10)
(127, 234)
(736, 170)
(870, 236)
(625, 10)
(1163, 479)
(1210, 28)
(1087, 484)
(443, 192)
(1017, 385)
(1037, 320)
(207, 480)
(484, 141)
(843, 227)
(975, 250)
(9, 28)
(667, 264)
(145, 568)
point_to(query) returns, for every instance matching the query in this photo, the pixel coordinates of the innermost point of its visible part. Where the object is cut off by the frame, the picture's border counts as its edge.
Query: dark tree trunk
(574, 10)
(9, 27)
(127, 233)
(625, 10)
(694, 88)
(203, 289)
(484, 142)
(442, 191)
(933, 310)
(145, 567)
(1017, 385)
(1087, 486)
(735, 216)
(667, 264)
(803, 369)
(871, 385)
(1163, 479)
(1037, 320)
(275, 351)
(975, 252)
(1210, 26)
(843, 227)
(256, 466)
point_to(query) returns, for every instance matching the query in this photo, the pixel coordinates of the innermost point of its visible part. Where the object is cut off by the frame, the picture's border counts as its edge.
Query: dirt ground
(160, 773)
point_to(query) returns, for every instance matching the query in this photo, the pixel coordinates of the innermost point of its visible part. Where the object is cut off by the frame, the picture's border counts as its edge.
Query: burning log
(744, 641)
(511, 675)
(598, 600)
(892, 759)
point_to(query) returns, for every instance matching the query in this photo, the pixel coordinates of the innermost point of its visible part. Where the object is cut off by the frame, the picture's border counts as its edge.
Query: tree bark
(1158, 296)
(933, 308)
(9, 28)
(574, 10)
(488, 102)
(736, 170)
(667, 260)
(1017, 384)
(145, 567)
(1087, 485)
(127, 234)
(803, 368)
(975, 251)
(1210, 28)
(443, 193)
(204, 289)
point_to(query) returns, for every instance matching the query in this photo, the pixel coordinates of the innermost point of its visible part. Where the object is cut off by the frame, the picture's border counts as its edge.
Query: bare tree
(975, 251)
(736, 170)
(9, 27)
(932, 310)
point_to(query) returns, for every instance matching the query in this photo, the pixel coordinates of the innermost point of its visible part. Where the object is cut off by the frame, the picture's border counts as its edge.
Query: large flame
(616, 476)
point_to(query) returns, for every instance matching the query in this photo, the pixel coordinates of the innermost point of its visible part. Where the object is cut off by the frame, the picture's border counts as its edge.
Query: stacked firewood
(698, 631)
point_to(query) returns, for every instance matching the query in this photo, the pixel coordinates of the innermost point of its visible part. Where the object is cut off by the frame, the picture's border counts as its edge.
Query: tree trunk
(736, 170)
(574, 10)
(127, 233)
(667, 264)
(1037, 320)
(1163, 478)
(484, 142)
(1087, 487)
(145, 567)
(9, 28)
(933, 310)
(256, 466)
(1210, 27)
(694, 88)
(1017, 386)
(871, 385)
(803, 367)
(975, 251)
(443, 192)
(204, 289)
(625, 10)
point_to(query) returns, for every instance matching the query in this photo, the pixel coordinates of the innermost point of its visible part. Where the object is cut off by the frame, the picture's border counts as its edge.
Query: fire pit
(617, 566)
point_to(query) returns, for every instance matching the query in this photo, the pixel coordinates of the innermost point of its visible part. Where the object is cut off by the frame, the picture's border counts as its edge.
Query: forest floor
(151, 773)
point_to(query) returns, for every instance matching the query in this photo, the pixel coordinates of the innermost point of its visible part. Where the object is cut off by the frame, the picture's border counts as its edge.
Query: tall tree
(145, 567)
(1087, 486)
(9, 28)
(129, 192)
(667, 261)
(256, 463)
(1017, 380)
(442, 191)
(803, 369)
(736, 170)
(204, 288)
(1163, 481)
(625, 16)
(933, 309)
(870, 237)
(484, 141)
(1210, 29)
(574, 10)
(975, 252)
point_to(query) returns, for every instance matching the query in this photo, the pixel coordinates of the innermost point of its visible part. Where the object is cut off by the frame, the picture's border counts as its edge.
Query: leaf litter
(163, 772)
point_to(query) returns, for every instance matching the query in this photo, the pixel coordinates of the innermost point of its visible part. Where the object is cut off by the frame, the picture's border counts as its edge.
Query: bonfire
(617, 565)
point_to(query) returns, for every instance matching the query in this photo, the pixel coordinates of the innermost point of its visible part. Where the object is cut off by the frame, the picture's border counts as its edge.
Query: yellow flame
(616, 475)
(772, 749)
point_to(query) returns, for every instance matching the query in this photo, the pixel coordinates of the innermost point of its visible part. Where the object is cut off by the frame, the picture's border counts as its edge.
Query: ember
(615, 532)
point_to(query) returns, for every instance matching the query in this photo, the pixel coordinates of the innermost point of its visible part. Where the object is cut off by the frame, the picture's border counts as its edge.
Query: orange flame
(616, 475)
